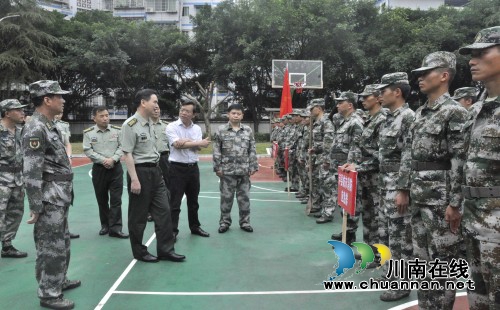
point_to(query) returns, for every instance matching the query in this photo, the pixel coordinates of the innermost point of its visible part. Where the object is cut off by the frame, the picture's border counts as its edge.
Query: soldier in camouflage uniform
(285, 130)
(481, 191)
(11, 177)
(102, 144)
(364, 155)
(48, 178)
(431, 171)
(466, 96)
(235, 160)
(302, 157)
(322, 138)
(276, 136)
(65, 131)
(394, 224)
(348, 130)
(292, 143)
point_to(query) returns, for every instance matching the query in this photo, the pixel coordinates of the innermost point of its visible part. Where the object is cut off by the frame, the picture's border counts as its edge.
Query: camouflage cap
(318, 102)
(464, 92)
(347, 95)
(485, 38)
(287, 117)
(305, 113)
(11, 104)
(393, 78)
(369, 90)
(439, 59)
(46, 87)
(295, 112)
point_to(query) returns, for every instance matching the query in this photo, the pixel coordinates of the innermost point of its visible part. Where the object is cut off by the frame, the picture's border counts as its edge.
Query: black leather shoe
(12, 252)
(148, 258)
(118, 234)
(247, 228)
(200, 232)
(57, 303)
(323, 220)
(173, 257)
(223, 229)
(317, 215)
(74, 236)
(71, 284)
(104, 231)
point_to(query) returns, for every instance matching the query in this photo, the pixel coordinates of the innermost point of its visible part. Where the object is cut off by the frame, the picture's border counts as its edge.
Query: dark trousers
(184, 180)
(165, 168)
(152, 199)
(108, 186)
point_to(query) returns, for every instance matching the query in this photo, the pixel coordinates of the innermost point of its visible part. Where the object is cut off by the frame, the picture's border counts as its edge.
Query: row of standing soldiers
(428, 180)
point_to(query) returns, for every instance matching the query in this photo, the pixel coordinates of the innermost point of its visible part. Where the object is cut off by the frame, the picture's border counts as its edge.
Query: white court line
(251, 199)
(80, 165)
(268, 189)
(415, 302)
(245, 293)
(251, 192)
(120, 279)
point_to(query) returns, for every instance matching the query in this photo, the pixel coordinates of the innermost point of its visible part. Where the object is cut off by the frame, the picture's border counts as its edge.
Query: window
(185, 11)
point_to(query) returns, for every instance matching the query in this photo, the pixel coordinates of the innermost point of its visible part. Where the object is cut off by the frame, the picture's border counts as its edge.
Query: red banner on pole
(286, 97)
(274, 152)
(285, 155)
(347, 190)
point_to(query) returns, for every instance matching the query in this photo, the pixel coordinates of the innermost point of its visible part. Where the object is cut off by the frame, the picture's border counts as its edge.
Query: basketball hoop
(299, 87)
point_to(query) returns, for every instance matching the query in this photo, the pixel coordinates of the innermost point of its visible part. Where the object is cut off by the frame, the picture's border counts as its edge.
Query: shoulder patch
(118, 127)
(132, 122)
(49, 125)
(88, 129)
(34, 143)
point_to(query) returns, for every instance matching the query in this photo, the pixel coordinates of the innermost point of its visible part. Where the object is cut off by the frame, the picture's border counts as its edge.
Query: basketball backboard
(309, 73)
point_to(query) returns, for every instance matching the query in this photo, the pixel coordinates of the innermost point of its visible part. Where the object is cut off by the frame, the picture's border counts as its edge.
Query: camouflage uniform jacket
(434, 137)
(45, 154)
(391, 138)
(274, 133)
(304, 143)
(364, 152)
(349, 130)
(482, 141)
(282, 138)
(322, 138)
(234, 151)
(11, 157)
(101, 144)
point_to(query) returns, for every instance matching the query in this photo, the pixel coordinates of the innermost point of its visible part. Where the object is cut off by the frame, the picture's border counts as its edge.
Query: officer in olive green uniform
(49, 186)
(101, 143)
(146, 188)
(11, 177)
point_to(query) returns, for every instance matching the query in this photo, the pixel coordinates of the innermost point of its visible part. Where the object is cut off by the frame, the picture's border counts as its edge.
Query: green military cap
(11, 104)
(485, 38)
(288, 116)
(464, 92)
(369, 90)
(439, 59)
(46, 87)
(393, 78)
(295, 112)
(305, 113)
(318, 102)
(347, 95)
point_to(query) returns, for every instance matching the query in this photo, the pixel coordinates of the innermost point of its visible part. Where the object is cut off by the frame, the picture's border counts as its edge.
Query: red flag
(286, 98)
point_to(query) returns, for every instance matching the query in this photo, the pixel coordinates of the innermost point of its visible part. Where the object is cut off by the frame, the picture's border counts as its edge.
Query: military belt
(470, 192)
(389, 167)
(184, 164)
(49, 177)
(150, 165)
(430, 165)
(10, 169)
(339, 156)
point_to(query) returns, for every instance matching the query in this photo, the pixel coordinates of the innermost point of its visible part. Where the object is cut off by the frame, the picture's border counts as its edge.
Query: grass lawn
(261, 148)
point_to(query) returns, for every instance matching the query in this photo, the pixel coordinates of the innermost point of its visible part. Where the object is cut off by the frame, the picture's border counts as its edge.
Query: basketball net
(298, 86)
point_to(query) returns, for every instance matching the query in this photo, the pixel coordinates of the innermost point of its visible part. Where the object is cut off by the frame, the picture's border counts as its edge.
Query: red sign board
(285, 155)
(274, 152)
(347, 190)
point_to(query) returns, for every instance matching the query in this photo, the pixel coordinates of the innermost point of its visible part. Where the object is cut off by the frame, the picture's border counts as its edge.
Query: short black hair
(235, 106)
(143, 94)
(37, 101)
(405, 89)
(189, 102)
(98, 109)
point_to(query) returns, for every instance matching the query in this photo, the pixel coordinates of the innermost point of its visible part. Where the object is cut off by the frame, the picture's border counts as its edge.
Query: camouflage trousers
(11, 212)
(432, 239)
(394, 230)
(367, 205)
(316, 181)
(328, 191)
(229, 185)
(52, 244)
(304, 177)
(482, 238)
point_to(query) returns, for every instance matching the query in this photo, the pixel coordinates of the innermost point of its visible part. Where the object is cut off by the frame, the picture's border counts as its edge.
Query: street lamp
(8, 16)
